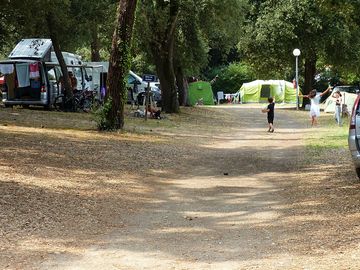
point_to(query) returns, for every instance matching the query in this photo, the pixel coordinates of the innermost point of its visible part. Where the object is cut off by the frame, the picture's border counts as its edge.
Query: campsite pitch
(206, 189)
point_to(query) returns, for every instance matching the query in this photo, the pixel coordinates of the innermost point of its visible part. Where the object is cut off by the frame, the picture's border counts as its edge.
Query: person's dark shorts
(270, 119)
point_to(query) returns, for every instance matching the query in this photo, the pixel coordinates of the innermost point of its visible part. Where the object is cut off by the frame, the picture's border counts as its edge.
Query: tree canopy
(176, 39)
(320, 29)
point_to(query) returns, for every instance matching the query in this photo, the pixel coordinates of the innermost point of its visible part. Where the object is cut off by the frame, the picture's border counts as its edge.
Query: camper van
(32, 74)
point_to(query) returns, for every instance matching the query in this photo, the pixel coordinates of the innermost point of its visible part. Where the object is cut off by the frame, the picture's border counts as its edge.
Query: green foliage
(101, 116)
(201, 26)
(85, 53)
(232, 77)
(320, 29)
(74, 22)
(94, 23)
(265, 32)
(221, 23)
(140, 65)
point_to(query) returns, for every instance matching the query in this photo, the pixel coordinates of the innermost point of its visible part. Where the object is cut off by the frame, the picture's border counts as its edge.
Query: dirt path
(225, 207)
(221, 194)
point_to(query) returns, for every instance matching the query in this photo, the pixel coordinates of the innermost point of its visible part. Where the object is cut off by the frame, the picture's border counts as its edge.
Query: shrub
(101, 116)
(232, 77)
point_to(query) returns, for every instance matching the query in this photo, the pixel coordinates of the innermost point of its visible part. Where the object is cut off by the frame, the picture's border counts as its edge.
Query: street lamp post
(296, 53)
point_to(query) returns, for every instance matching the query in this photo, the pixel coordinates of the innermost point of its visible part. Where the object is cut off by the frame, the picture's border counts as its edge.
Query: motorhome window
(51, 74)
(131, 79)
(88, 74)
(58, 73)
(77, 72)
(79, 78)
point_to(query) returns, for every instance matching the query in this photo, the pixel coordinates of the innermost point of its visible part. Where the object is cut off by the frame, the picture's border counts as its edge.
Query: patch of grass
(328, 140)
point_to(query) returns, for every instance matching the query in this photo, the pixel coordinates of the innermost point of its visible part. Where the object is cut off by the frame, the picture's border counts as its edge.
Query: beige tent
(347, 98)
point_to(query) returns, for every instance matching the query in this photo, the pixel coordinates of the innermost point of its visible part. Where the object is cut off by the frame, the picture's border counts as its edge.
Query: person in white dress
(315, 101)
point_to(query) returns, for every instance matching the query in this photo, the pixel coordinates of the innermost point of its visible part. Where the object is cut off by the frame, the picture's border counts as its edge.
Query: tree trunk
(181, 86)
(165, 71)
(119, 63)
(59, 56)
(162, 50)
(310, 70)
(95, 46)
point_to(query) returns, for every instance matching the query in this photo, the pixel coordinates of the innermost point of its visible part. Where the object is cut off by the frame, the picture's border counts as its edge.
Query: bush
(101, 116)
(232, 77)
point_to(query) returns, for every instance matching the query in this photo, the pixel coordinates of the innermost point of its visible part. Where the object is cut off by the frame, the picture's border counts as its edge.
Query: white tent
(347, 98)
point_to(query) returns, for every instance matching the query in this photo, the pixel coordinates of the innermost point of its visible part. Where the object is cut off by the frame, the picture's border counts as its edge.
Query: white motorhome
(32, 73)
(134, 81)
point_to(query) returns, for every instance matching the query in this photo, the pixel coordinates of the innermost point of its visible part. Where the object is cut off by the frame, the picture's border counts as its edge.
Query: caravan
(32, 74)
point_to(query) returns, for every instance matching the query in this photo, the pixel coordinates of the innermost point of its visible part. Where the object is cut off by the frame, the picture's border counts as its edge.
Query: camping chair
(142, 101)
(200, 102)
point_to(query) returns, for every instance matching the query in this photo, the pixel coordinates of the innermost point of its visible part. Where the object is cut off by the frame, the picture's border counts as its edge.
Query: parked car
(136, 85)
(354, 135)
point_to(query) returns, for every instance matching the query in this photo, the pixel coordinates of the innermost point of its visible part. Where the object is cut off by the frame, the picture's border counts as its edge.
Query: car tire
(357, 172)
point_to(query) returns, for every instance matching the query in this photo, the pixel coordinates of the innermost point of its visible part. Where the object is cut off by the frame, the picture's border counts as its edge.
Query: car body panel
(354, 135)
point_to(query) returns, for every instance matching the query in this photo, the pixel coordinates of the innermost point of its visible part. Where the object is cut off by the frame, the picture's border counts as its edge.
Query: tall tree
(179, 35)
(275, 28)
(52, 21)
(94, 24)
(119, 63)
(160, 19)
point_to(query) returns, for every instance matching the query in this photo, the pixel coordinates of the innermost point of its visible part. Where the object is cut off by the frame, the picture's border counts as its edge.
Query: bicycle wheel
(59, 103)
(86, 104)
(96, 105)
(76, 107)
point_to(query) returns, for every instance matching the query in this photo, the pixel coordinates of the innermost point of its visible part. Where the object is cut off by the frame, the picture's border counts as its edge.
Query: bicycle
(88, 100)
(66, 103)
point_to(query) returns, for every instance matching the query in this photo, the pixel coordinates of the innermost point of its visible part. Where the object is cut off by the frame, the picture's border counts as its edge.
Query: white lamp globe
(296, 52)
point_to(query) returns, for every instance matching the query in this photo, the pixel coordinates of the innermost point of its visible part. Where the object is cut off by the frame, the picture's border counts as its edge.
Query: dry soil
(209, 189)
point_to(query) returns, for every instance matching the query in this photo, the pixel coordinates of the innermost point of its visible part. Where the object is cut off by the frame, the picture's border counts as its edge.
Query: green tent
(259, 91)
(201, 93)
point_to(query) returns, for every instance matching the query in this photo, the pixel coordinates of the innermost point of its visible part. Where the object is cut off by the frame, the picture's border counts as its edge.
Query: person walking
(315, 104)
(270, 114)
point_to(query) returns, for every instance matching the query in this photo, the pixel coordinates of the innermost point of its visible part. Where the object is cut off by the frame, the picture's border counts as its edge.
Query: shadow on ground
(62, 192)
